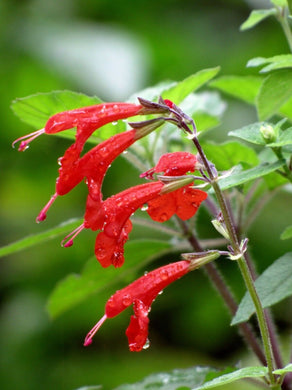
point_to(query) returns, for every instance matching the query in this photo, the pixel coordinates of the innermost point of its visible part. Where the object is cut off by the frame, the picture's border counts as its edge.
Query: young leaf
(35, 239)
(284, 370)
(285, 138)
(275, 62)
(256, 17)
(75, 288)
(182, 89)
(242, 87)
(36, 109)
(274, 285)
(189, 378)
(274, 92)
(287, 233)
(250, 174)
(242, 373)
(225, 156)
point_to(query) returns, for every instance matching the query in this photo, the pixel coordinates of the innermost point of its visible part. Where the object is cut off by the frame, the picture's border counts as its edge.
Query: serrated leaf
(275, 90)
(250, 174)
(176, 379)
(75, 288)
(225, 156)
(287, 233)
(256, 16)
(274, 285)
(283, 370)
(39, 238)
(243, 373)
(242, 87)
(178, 92)
(36, 109)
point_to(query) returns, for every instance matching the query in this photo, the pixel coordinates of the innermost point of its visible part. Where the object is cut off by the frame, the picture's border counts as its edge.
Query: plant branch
(221, 286)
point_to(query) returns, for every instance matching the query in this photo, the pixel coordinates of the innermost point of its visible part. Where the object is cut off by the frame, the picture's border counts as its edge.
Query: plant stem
(283, 20)
(221, 286)
(279, 154)
(242, 266)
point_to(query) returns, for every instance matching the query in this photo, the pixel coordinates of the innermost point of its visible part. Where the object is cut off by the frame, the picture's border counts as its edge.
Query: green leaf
(275, 62)
(242, 177)
(36, 109)
(287, 233)
(242, 373)
(178, 92)
(39, 238)
(242, 87)
(280, 3)
(274, 92)
(285, 138)
(256, 16)
(283, 370)
(75, 288)
(176, 379)
(225, 156)
(274, 285)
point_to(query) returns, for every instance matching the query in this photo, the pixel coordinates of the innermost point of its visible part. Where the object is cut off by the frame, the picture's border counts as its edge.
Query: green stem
(242, 266)
(261, 319)
(279, 154)
(283, 20)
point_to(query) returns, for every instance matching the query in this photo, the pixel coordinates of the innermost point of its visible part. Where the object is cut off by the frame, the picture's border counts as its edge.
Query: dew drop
(160, 292)
(101, 252)
(127, 299)
(125, 152)
(145, 207)
(163, 274)
(147, 344)
(163, 217)
(114, 123)
(145, 273)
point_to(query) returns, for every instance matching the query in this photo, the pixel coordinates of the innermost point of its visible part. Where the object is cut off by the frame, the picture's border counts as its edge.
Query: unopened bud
(176, 183)
(268, 133)
(220, 227)
(198, 259)
(143, 128)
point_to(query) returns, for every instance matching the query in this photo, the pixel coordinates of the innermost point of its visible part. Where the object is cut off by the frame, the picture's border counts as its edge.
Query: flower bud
(268, 133)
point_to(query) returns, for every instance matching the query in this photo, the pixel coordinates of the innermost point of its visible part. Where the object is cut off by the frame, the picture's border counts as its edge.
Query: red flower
(141, 293)
(86, 119)
(185, 201)
(113, 219)
(93, 166)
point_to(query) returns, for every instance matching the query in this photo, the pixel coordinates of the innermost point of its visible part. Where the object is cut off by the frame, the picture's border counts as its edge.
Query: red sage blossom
(85, 119)
(141, 293)
(185, 201)
(93, 166)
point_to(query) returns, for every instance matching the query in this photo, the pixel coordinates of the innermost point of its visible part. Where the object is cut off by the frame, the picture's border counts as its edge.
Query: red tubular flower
(141, 293)
(113, 219)
(93, 166)
(86, 119)
(185, 201)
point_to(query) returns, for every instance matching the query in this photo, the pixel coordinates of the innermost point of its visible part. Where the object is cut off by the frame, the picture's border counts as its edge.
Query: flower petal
(137, 331)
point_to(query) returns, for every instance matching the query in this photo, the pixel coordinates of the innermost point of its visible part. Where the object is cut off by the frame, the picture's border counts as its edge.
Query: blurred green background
(112, 49)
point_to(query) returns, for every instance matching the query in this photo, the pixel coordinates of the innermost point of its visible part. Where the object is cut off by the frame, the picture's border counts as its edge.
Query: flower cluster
(168, 192)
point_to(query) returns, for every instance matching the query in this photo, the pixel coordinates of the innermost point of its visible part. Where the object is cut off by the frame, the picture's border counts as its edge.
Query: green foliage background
(143, 42)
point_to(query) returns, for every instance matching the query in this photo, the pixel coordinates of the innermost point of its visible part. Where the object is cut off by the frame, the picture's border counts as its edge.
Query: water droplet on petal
(127, 299)
(147, 344)
(163, 217)
(100, 252)
(164, 274)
